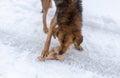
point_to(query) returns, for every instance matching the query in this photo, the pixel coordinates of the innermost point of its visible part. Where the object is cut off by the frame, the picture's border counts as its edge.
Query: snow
(103, 8)
(22, 39)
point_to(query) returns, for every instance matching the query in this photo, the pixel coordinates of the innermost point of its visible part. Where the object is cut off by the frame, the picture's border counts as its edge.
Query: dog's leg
(55, 32)
(50, 4)
(46, 5)
(78, 40)
(65, 42)
(48, 40)
(42, 2)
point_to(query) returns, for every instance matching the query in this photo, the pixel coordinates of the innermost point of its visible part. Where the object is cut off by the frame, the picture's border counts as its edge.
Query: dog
(66, 25)
(46, 4)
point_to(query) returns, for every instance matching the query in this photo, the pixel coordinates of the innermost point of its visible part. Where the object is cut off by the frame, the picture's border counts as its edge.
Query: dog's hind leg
(46, 6)
(48, 40)
(42, 2)
(50, 4)
(78, 39)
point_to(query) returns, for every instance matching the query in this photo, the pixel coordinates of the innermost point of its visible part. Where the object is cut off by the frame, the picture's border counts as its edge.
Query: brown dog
(68, 17)
(46, 4)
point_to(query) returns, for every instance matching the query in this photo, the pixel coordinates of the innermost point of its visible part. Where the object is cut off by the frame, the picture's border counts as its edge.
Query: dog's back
(69, 12)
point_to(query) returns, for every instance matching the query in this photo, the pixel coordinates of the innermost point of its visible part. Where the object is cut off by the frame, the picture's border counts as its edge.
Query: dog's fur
(68, 17)
(46, 4)
(69, 21)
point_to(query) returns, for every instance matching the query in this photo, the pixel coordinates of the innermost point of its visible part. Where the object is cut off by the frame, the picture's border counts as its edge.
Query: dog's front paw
(53, 54)
(79, 48)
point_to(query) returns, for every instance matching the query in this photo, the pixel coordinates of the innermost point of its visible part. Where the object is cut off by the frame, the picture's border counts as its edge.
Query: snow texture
(22, 39)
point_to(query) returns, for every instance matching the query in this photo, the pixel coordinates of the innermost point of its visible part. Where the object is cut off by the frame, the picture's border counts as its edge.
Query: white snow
(22, 39)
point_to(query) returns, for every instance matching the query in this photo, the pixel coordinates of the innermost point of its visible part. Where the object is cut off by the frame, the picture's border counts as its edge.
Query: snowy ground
(22, 39)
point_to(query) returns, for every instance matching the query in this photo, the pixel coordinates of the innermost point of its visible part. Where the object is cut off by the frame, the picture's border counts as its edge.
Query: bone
(53, 55)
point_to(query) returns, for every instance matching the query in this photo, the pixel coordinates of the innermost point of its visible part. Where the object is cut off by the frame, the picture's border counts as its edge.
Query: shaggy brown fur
(68, 17)
(46, 4)
(69, 20)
